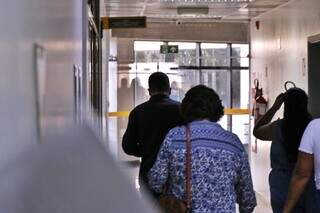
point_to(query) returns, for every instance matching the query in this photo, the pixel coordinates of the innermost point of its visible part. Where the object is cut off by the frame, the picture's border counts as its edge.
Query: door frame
(312, 40)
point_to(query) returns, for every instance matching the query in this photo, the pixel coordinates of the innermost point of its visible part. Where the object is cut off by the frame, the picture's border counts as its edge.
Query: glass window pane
(181, 81)
(187, 55)
(148, 51)
(219, 80)
(147, 45)
(132, 89)
(184, 45)
(240, 55)
(240, 127)
(168, 67)
(140, 87)
(125, 92)
(224, 122)
(213, 54)
(240, 89)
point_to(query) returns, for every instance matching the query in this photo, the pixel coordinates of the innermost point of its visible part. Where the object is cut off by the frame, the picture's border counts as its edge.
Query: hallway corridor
(131, 170)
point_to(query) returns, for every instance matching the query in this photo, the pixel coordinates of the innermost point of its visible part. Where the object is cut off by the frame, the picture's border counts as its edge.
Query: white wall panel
(278, 49)
(57, 26)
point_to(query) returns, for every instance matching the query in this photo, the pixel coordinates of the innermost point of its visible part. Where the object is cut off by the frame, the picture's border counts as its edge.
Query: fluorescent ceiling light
(193, 10)
(204, 1)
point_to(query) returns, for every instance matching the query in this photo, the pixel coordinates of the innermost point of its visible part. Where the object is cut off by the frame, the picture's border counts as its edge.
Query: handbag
(171, 204)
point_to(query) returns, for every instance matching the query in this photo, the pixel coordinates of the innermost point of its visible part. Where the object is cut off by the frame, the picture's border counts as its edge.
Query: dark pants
(279, 181)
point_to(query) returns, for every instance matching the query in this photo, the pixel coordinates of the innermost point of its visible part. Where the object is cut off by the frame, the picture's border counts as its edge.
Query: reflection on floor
(131, 168)
(263, 205)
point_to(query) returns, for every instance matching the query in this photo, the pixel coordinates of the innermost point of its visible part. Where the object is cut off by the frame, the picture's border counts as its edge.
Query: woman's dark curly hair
(201, 102)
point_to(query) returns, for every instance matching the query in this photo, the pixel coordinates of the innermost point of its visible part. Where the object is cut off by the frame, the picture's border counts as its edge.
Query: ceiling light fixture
(205, 1)
(193, 10)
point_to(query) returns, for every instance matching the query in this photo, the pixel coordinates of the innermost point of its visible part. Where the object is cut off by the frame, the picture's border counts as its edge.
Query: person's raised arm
(263, 129)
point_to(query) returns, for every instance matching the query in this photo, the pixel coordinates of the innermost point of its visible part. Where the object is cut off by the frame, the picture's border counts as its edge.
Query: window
(93, 58)
(221, 66)
(214, 54)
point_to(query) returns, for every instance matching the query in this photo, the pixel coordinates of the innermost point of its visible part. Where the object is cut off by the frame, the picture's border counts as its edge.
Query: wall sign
(304, 67)
(40, 67)
(165, 49)
(124, 22)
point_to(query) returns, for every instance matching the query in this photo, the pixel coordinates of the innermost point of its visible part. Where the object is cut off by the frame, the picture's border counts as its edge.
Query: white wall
(113, 90)
(57, 26)
(278, 49)
(70, 170)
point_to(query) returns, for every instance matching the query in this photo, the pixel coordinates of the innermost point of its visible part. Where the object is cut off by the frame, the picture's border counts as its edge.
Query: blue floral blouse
(220, 169)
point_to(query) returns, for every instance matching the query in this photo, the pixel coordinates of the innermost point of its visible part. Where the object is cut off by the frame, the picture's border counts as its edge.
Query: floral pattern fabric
(220, 169)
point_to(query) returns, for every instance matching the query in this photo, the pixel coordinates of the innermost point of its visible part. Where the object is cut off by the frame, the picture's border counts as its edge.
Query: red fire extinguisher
(259, 109)
(260, 103)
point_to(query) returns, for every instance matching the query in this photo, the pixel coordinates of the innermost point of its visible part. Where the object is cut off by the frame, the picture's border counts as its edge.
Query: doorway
(222, 66)
(314, 75)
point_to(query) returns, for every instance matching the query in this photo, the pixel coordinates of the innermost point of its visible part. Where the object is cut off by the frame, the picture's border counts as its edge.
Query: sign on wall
(124, 22)
(165, 49)
(40, 67)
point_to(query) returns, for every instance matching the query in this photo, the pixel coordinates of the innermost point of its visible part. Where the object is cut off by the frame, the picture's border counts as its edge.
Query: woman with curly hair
(220, 173)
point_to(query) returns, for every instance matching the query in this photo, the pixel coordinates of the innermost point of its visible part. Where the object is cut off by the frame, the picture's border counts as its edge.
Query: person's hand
(278, 102)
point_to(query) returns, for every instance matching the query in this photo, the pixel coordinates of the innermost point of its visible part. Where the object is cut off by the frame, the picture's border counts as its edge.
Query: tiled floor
(263, 205)
(133, 168)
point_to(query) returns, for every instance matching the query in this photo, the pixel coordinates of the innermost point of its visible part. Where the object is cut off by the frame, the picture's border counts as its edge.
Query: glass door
(219, 80)
(182, 79)
(223, 67)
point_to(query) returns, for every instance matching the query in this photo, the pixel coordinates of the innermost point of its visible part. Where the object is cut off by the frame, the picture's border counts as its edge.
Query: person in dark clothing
(150, 122)
(286, 134)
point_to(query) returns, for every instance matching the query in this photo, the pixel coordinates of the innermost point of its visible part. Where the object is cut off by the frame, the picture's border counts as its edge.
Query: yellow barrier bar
(227, 111)
(236, 111)
(118, 114)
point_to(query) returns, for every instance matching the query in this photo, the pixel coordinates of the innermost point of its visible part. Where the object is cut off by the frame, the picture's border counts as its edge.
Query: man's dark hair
(159, 82)
(201, 102)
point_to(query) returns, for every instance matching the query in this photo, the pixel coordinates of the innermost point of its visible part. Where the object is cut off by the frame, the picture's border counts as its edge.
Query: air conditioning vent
(193, 10)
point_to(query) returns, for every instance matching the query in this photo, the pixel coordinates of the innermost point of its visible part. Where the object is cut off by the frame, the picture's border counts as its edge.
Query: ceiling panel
(224, 10)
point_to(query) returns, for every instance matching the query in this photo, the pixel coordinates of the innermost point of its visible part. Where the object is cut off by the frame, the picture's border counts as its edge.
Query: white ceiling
(166, 10)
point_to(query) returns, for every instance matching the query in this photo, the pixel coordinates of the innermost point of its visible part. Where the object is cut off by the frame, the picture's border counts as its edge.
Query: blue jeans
(279, 181)
(313, 197)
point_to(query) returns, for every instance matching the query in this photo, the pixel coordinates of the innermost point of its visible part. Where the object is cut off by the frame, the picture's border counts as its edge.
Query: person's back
(220, 168)
(285, 135)
(150, 122)
(281, 171)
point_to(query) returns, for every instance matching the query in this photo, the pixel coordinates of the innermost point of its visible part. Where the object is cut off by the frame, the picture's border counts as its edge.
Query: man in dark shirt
(150, 122)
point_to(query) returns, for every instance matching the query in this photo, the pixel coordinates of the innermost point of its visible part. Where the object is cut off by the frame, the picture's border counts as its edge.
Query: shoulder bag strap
(188, 167)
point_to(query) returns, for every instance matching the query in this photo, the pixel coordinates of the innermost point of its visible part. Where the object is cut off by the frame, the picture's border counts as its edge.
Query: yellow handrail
(236, 111)
(227, 111)
(118, 114)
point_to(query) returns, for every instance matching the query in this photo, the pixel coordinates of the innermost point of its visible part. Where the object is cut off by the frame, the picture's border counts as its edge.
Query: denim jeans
(279, 181)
